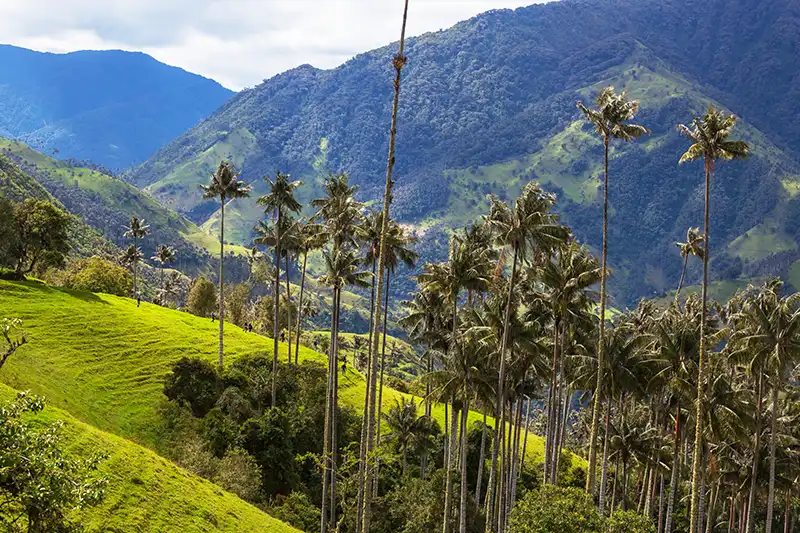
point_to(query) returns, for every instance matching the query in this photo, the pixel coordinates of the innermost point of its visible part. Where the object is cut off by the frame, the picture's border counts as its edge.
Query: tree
(550, 509)
(404, 424)
(164, 255)
(136, 229)
(278, 203)
(692, 246)
(225, 185)
(311, 237)
(96, 274)
(42, 231)
(13, 338)
(8, 232)
(41, 484)
(611, 121)
(202, 297)
(710, 136)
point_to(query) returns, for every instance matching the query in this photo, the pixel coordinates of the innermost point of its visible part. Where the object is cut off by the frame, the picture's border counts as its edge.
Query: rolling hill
(490, 103)
(148, 493)
(112, 107)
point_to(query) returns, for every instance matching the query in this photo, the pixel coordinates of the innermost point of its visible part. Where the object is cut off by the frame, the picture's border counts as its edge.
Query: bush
(195, 383)
(297, 511)
(240, 474)
(98, 275)
(550, 509)
(202, 297)
(629, 522)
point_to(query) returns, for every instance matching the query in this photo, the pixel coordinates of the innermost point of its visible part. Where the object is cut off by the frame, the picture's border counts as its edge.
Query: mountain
(490, 104)
(112, 107)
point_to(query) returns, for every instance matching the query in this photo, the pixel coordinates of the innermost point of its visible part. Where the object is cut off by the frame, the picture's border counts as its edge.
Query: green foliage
(236, 303)
(202, 297)
(296, 510)
(549, 509)
(8, 233)
(42, 239)
(39, 485)
(98, 275)
(628, 522)
(194, 383)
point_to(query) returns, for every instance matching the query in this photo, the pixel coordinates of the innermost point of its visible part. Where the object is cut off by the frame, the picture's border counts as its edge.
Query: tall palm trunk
(221, 281)
(288, 314)
(551, 397)
(300, 309)
(451, 460)
(661, 502)
(136, 263)
(362, 460)
(703, 367)
(501, 379)
(398, 63)
(481, 462)
(772, 443)
(683, 276)
(275, 331)
(786, 512)
(751, 505)
(335, 404)
(462, 514)
(515, 464)
(380, 385)
(525, 438)
(604, 474)
(327, 432)
(590, 478)
(673, 484)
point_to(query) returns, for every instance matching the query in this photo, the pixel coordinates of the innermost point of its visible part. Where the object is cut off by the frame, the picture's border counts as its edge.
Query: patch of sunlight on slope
(148, 493)
(761, 242)
(180, 188)
(791, 184)
(104, 360)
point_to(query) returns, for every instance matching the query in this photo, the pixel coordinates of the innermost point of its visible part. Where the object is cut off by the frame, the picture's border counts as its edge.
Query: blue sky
(236, 42)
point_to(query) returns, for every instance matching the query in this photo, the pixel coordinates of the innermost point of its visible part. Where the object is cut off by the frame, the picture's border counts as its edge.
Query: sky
(236, 42)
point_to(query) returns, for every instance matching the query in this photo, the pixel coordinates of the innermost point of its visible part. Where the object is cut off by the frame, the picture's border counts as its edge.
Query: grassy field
(104, 360)
(148, 493)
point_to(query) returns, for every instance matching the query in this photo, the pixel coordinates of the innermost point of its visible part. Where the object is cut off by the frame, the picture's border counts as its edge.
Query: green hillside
(104, 360)
(148, 493)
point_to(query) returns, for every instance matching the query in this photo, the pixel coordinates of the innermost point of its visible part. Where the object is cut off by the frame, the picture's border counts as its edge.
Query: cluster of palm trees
(164, 255)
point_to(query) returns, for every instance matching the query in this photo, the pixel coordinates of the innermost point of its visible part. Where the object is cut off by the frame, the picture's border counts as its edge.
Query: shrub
(629, 522)
(98, 275)
(550, 509)
(202, 297)
(297, 511)
(240, 474)
(195, 383)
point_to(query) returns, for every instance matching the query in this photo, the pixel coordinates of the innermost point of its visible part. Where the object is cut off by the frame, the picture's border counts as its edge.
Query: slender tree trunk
(380, 386)
(601, 361)
(451, 459)
(751, 505)
(673, 484)
(335, 405)
(362, 455)
(604, 475)
(288, 314)
(515, 464)
(462, 514)
(501, 381)
(683, 276)
(221, 281)
(661, 502)
(276, 314)
(614, 485)
(298, 329)
(398, 63)
(625, 485)
(525, 438)
(701, 516)
(711, 518)
(703, 370)
(326, 454)
(772, 442)
(481, 462)
(551, 400)
(786, 513)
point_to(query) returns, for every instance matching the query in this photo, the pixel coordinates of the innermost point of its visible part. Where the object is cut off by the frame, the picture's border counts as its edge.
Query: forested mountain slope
(112, 107)
(490, 104)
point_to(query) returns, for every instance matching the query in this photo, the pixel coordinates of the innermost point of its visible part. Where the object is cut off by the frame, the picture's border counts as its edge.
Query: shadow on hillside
(40, 287)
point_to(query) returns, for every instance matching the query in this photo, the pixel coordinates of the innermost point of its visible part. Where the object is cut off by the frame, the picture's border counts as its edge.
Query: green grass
(104, 360)
(148, 493)
(761, 242)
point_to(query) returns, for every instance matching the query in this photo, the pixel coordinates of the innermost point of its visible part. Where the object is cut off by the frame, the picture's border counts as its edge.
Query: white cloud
(237, 42)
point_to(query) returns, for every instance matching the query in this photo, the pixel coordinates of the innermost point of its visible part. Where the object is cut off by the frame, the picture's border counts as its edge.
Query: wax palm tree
(404, 426)
(398, 62)
(278, 203)
(770, 333)
(611, 119)
(311, 237)
(130, 258)
(529, 224)
(291, 246)
(710, 136)
(692, 246)
(172, 287)
(225, 185)
(342, 269)
(164, 255)
(136, 229)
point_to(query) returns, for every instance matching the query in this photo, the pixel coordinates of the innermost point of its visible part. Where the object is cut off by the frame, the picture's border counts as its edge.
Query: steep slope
(112, 107)
(104, 360)
(106, 203)
(149, 493)
(489, 104)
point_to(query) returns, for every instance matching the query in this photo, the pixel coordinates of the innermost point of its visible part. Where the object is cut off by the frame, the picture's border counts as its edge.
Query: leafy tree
(40, 486)
(297, 511)
(225, 185)
(550, 509)
(195, 383)
(8, 232)
(96, 274)
(202, 297)
(240, 474)
(710, 135)
(611, 120)
(629, 522)
(137, 229)
(236, 301)
(13, 338)
(42, 235)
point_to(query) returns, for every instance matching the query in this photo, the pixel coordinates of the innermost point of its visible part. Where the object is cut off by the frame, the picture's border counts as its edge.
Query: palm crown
(225, 184)
(710, 135)
(612, 115)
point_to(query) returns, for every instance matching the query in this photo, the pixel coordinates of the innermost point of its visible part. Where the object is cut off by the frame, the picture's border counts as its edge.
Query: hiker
(344, 367)
(213, 316)
(138, 299)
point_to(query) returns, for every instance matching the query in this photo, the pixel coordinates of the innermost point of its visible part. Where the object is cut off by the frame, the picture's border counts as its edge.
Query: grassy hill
(148, 493)
(104, 360)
